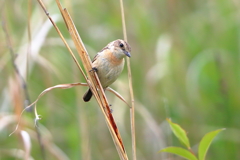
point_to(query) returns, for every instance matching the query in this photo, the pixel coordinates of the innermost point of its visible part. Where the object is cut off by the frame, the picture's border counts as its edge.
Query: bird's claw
(94, 69)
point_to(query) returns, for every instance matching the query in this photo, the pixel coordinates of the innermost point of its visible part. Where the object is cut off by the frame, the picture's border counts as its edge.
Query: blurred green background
(185, 66)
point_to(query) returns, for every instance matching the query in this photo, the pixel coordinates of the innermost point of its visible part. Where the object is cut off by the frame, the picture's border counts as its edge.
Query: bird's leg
(111, 110)
(94, 69)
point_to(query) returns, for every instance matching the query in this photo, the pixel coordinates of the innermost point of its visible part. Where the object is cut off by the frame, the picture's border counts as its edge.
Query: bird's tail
(88, 95)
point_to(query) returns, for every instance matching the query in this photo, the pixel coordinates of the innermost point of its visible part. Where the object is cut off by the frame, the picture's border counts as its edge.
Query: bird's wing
(97, 55)
(100, 53)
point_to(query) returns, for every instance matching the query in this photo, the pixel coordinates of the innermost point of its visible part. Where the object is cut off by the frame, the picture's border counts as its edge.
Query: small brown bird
(109, 63)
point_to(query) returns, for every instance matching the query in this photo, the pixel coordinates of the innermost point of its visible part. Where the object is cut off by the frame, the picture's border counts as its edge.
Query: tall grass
(185, 65)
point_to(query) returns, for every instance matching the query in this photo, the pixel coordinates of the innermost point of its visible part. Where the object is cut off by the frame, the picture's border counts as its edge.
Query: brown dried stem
(132, 112)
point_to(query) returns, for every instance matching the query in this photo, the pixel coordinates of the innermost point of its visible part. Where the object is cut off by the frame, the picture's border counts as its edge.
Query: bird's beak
(127, 53)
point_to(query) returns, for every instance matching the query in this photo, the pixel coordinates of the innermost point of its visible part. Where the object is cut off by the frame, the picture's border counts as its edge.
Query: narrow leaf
(205, 143)
(179, 133)
(180, 152)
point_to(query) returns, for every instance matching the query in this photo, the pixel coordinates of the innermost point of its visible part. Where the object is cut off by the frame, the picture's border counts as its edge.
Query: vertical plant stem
(132, 111)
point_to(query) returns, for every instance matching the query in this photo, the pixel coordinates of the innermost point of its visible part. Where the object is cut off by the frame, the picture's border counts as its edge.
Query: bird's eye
(121, 45)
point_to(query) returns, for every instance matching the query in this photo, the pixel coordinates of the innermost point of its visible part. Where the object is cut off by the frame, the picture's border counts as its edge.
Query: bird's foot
(94, 69)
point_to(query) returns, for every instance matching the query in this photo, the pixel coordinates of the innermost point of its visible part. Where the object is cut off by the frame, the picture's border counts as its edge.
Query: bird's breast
(108, 70)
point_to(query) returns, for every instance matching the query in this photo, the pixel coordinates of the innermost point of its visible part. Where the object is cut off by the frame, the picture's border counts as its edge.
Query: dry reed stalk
(132, 108)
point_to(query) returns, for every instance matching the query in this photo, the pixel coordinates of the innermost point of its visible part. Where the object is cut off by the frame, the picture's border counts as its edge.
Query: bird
(109, 63)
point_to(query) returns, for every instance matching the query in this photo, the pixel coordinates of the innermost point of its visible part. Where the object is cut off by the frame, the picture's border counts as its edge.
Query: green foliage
(179, 133)
(206, 142)
(180, 152)
(182, 137)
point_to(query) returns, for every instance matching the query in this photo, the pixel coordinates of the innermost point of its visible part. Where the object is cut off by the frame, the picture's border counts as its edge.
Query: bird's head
(120, 48)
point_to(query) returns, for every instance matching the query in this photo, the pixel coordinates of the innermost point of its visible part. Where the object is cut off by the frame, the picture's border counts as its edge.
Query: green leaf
(205, 143)
(180, 152)
(179, 133)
